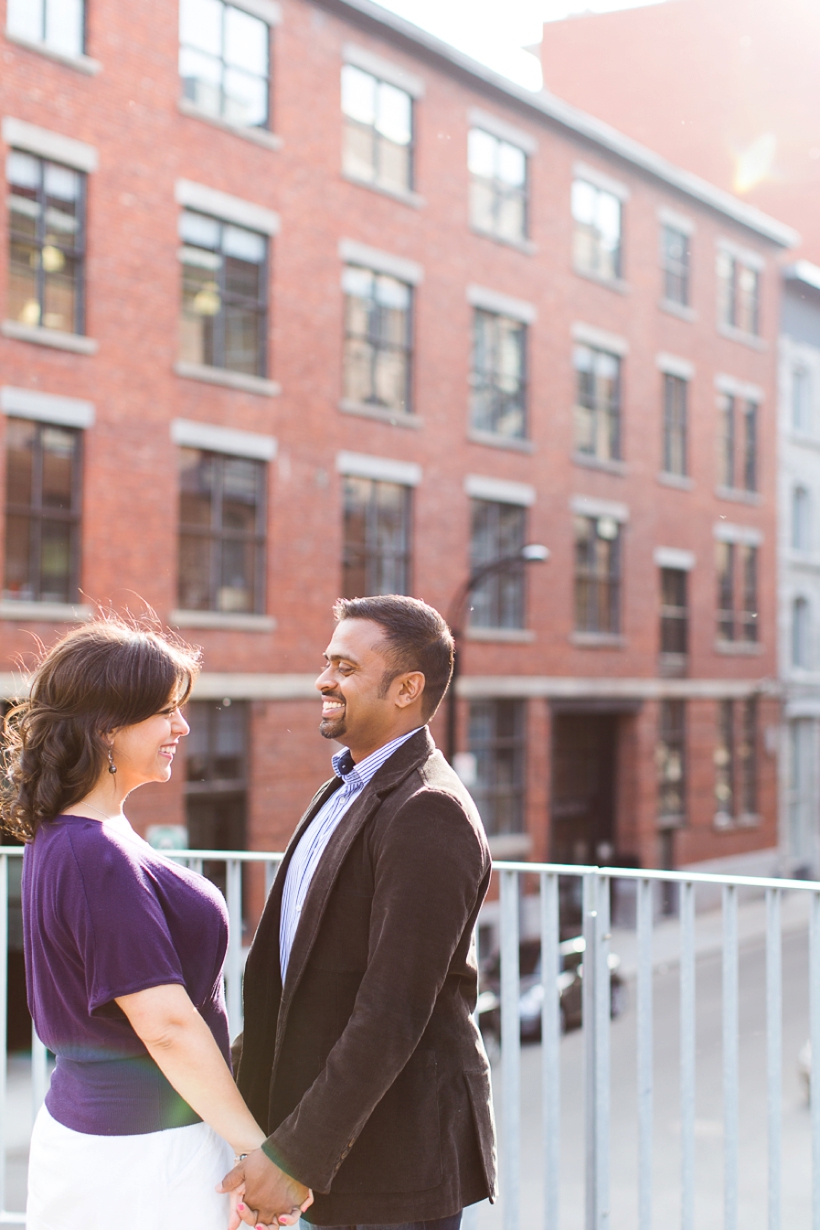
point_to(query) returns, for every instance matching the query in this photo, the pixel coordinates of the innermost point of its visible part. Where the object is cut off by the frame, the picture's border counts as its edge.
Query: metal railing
(596, 885)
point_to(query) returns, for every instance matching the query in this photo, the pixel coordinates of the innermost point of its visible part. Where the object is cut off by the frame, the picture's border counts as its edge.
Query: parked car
(531, 994)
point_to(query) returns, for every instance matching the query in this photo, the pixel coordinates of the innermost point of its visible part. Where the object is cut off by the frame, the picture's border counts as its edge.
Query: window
(498, 399)
(376, 538)
(597, 239)
(216, 762)
(597, 574)
(498, 532)
(735, 758)
(47, 237)
(675, 258)
(801, 634)
(738, 294)
(42, 512)
(737, 592)
(221, 532)
(377, 339)
(675, 397)
(498, 186)
(671, 761)
(497, 740)
(224, 295)
(801, 400)
(738, 443)
(378, 131)
(597, 403)
(801, 519)
(224, 57)
(724, 758)
(674, 614)
(747, 757)
(57, 24)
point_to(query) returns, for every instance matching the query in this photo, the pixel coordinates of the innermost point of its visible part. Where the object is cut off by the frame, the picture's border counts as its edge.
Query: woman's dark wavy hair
(102, 676)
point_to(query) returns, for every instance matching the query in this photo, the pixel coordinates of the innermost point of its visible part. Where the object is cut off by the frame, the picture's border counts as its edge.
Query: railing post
(4, 993)
(814, 1035)
(731, 1027)
(510, 1053)
(645, 1054)
(550, 1047)
(774, 1049)
(233, 965)
(687, 1054)
(596, 1009)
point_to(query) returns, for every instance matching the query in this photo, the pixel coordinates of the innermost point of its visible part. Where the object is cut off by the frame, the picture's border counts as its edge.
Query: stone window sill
(616, 284)
(598, 640)
(740, 335)
(497, 441)
(518, 245)
(678, 309)
(803, 559)
(738, 495)
(222, 620)
(83, 64)
(804, 439)
(45, 612)
(39, 336)
(509, 636)
(510, 846)
(257, 136)
(229, 380)
(681, 481)
(739, 648)
(607, 464)
(406, 197)
(381, 414)
(725, 823)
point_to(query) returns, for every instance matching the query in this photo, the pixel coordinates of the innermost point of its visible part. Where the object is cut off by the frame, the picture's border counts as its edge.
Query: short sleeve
(119, 926)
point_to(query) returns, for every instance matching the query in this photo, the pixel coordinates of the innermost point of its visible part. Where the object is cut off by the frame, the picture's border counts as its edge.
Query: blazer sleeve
(431, 871)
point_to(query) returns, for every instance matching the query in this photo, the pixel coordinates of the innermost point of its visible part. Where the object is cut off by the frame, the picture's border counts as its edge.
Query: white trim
(56, 338)
(674, 557)
(189, 434)
(599, 179)
(45, 612)
(672, 365)
(500, 128)
(257, 136)
(235, 621)
(745, 535)
(46, 407)
(385, 70)
(612, 687)
(266, 10)
(805, 272)
(504, 305)
(738, 388)
(747, 256)
(354, 253)
(679, 222)
(591, 506)
(499, 490)
(48, 144)
(601, 339)
(229, 208)
(383, 469)
(213, 685)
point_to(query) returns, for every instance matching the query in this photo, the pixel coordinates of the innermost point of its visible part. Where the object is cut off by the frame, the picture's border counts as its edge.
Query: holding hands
(262, 1194)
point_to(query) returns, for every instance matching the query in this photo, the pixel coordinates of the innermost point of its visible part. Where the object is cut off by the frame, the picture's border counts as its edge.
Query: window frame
(676, 269)
(739, 454)
(595, 234)
(490, 379)
(800, 633)
(43, 42)
(672, 723)
(371, 556)
(486, 752)
(675, 424)
(605, 582)
(731, 295)
(224, 66)
(800, 538)
(503, 593)
(376, 182)
(500, 191)
(737, 569)
(408, 349)
(610, 412)
(674, 616)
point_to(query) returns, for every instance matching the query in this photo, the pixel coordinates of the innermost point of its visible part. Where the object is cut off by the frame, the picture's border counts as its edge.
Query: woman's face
(145, 752)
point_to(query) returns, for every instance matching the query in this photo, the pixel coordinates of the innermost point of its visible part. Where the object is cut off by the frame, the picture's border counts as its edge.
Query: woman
(124, 949)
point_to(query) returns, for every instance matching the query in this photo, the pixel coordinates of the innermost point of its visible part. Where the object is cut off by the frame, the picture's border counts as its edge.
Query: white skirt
(157, 1181)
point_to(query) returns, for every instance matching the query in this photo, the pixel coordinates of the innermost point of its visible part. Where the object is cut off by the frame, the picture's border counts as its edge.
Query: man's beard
(332, 728)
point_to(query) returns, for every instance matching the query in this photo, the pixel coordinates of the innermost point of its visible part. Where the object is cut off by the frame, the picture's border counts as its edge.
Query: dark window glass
(47, 243)
(738, 294)
(376, 538)
(724, 758)
(57, 24)
(737, 566)
(736, 762)
(497, 533)
(498, 401)
(748, 610)
(801, 633)
(747, 757)
(42, 512)
(224, 295)
(377, 356)
(497, 740)
(801, 519)
(216, 756)
(675, 397)
(597, 403)
(222, 532)
(597, 574)
(378, 131)
(675, 258)
(674, 612)
(738, 453)
(802, 409)
(224, 61)
(597, 235)
(498, 186)
(671, 760)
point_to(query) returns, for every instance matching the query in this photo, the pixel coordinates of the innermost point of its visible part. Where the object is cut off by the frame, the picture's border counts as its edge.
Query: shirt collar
(356, 776)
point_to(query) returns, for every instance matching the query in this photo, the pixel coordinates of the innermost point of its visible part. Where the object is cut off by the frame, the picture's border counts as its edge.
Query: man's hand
(270, 1196)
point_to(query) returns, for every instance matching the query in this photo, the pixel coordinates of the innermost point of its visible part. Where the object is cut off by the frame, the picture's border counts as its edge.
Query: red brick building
(298, 301)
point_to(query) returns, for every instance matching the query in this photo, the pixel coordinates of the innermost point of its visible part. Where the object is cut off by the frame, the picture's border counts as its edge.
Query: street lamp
(530, 553)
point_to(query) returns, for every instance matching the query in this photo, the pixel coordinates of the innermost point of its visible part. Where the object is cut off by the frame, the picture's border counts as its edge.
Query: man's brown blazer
(367, 1067)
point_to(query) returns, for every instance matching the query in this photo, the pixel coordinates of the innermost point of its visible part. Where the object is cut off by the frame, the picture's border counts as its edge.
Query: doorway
(584, 758)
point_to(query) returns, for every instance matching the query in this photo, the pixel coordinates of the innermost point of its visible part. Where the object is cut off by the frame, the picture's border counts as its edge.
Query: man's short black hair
(417, 639)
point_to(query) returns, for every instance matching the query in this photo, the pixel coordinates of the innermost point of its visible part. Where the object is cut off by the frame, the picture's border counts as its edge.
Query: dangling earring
(112, 768)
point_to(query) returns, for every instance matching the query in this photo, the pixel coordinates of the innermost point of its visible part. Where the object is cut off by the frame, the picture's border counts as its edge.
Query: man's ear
(409, 688)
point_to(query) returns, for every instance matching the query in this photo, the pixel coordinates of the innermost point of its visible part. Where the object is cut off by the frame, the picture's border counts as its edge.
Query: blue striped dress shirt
(313, 843)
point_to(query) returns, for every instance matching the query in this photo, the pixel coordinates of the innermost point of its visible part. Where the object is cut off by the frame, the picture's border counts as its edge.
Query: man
(360, 1052)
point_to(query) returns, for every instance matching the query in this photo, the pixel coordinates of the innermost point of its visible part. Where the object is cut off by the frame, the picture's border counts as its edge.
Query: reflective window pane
(377, 339)
(378, 130)
(246, 42)
(224, 61)
(498, 187)
(597, 234)
(376, 529)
